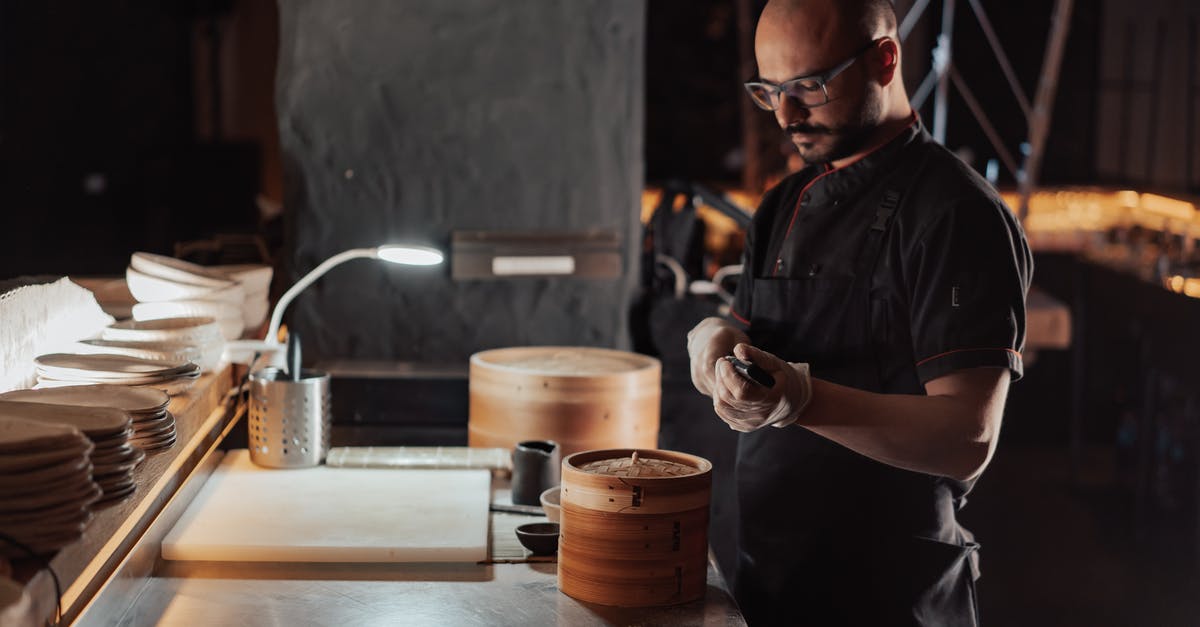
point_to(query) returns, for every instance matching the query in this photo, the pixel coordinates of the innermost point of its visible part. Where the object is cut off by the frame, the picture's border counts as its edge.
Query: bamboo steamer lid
(634, 528)
(581, 397)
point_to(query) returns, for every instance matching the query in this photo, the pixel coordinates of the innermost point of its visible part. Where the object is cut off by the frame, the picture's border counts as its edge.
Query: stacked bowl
(195, 339)
(256, 282)
(108, 429)
(153, 427)
(165, 287)
(46, 486)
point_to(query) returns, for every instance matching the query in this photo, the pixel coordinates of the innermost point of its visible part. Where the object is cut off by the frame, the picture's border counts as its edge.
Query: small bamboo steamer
(583, 398)
(634, 530)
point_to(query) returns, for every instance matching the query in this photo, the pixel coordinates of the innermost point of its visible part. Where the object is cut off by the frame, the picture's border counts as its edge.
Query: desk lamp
(242, 350)
(395, 253)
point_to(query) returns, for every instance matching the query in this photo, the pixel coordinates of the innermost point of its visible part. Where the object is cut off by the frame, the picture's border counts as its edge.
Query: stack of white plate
(161, 351)
(163, 339)
(109, 429)
(165, 287)
(153, 426)
(46, 486)
(62, 370)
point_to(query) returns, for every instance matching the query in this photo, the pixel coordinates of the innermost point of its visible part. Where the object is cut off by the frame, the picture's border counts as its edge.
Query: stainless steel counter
(365, 594)
(147, 590)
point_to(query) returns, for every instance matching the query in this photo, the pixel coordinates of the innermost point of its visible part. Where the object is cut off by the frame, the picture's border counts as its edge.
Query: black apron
(828, 536)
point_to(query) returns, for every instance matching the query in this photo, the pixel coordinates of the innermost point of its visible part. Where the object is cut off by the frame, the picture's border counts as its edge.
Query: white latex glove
(747, 406)
(707, 343)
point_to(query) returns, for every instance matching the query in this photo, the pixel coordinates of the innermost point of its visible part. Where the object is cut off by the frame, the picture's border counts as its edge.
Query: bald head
(852, 20)
(810, 38)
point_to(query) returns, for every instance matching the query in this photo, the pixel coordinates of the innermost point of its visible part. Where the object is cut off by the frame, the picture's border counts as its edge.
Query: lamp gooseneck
(394, 253)
(294, 291)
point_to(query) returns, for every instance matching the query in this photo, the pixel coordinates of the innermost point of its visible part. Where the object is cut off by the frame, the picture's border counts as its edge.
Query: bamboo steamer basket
(634, 532)
(582, 398)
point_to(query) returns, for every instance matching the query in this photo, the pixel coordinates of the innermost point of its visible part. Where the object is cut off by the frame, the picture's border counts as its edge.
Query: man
(884, 291)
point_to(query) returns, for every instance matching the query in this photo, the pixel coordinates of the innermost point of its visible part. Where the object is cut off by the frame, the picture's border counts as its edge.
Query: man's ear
(889, 58)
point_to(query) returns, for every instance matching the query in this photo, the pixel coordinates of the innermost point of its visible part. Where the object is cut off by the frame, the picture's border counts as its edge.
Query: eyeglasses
(809, 91)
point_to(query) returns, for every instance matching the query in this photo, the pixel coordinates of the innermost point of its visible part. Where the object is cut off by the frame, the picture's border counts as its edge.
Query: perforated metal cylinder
(289, 420)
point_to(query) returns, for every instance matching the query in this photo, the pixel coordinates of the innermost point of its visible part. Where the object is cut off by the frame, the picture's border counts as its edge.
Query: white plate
(162, 351)
(173, 387)
(228, 315)
(207, 355)
(148, 289)
(85, 380)
(84, 377)
(178, 270)
(107, 366)
(196, 330)
(196, 308)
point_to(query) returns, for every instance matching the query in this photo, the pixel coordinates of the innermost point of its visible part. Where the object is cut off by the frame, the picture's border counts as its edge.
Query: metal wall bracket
(490, 255)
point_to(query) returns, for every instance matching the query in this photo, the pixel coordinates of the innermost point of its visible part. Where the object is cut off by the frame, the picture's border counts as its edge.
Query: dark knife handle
(293, 355)
(752, 372)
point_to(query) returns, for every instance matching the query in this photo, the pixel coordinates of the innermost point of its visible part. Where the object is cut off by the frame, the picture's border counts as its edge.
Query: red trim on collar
(912, 119)
(796, 212)
(829, 169)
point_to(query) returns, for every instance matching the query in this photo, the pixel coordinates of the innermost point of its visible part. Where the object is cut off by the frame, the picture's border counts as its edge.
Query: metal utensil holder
(289, 420)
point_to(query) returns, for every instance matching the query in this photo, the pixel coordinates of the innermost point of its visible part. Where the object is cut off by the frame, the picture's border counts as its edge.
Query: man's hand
(747, 406)
(707, 343)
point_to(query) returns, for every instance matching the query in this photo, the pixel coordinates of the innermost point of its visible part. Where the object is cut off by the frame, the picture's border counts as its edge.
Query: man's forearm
(946, 433)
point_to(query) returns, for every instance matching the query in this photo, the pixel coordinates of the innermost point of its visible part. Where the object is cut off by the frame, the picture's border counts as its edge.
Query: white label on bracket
(516, 266)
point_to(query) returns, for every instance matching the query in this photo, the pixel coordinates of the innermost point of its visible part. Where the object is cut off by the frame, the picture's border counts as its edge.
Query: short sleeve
(968, 278)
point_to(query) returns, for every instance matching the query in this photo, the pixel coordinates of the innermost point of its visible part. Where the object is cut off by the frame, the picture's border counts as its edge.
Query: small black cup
(536, 468)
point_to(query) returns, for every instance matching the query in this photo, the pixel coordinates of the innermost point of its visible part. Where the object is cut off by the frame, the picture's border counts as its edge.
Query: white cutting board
(245, 513)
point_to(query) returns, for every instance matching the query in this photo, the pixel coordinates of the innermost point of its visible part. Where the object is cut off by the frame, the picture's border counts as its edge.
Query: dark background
(141, 125)
(109, 141)
(116, 133)
(408, 121)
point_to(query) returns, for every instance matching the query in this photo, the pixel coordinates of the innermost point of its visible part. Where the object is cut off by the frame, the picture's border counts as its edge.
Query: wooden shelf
(202, 416)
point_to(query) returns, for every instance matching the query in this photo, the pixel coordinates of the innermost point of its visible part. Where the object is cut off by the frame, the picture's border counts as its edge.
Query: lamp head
(409, 255)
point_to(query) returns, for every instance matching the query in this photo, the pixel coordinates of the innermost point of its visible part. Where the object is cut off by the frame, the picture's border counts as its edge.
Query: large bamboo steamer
(634, 533)
(583, 398)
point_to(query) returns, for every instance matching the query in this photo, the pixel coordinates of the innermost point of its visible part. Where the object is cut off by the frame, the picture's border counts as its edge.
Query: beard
(821, 143)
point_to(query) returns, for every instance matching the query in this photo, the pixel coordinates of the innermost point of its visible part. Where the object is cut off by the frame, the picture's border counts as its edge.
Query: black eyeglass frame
(776, 93)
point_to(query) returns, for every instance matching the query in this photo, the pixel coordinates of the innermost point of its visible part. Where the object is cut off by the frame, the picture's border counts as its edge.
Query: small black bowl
(541, 538)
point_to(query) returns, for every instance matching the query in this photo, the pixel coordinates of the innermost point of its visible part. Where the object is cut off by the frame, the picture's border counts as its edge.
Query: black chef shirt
(948, 289)
(882, 275)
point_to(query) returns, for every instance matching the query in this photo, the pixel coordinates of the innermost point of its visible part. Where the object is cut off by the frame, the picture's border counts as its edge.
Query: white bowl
(199, 330)
(552, 503)
(150, 289)
(254, 312)
(161, 351)
(228, 315)
(187, 309)
(255, 278)
(178, 270)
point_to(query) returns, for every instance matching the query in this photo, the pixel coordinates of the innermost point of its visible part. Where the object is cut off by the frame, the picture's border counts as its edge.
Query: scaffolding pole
(942, 58)
(1043, 104)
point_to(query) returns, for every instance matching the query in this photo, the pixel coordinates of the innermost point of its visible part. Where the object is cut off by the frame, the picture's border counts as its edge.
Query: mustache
(808, 129)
